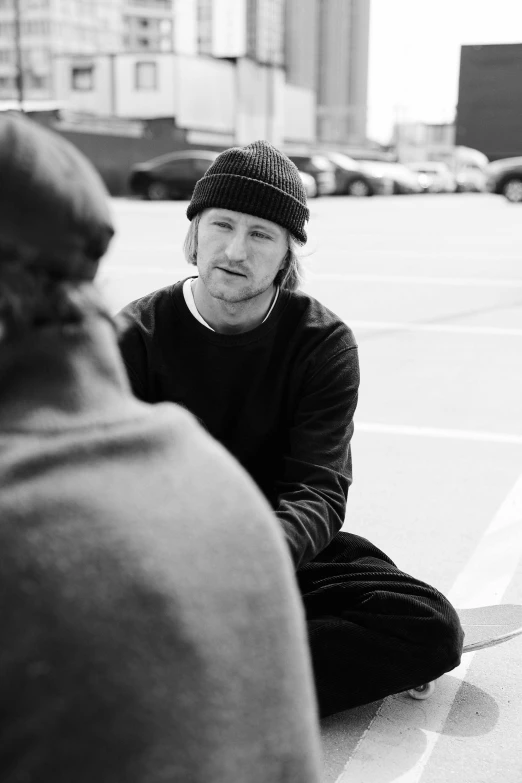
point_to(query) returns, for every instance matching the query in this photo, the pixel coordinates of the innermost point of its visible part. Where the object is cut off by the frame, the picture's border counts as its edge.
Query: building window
(82, 78)
(37, 82)
(146, 76)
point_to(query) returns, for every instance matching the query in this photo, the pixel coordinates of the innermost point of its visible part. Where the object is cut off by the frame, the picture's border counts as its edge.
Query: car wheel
(359, 188)
(157, 191)
(512, 190)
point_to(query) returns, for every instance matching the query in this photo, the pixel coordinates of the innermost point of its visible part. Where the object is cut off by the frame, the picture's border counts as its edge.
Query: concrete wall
(299, 114)
(200, 92)
(205, 94)
(99, 100)
(185, 27)
(229, 28)
(260, 92)
(113, 151)
(130, 101)
(207, 97)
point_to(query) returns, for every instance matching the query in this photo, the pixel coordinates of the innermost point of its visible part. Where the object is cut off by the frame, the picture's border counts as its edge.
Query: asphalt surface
(432, 288)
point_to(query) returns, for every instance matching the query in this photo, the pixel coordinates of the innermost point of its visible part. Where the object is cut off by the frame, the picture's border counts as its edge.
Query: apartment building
(241, 28)
(265, 31)
(223, 83)
(48, 28)
(148, 25)
(249, 33)
(43, 28)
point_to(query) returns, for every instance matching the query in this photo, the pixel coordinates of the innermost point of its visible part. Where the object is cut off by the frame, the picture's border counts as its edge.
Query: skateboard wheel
(422, 691)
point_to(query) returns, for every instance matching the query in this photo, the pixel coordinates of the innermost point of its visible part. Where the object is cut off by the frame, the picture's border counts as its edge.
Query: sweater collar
(239, 339)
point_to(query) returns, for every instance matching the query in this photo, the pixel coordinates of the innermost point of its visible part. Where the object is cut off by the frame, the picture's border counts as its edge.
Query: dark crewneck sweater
(280, 398)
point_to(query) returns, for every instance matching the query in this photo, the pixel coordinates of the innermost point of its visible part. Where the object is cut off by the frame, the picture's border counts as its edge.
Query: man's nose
(236, 249)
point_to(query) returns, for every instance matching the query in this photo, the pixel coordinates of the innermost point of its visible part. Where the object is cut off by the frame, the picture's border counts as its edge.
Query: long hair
(31, 298)
(290, 276)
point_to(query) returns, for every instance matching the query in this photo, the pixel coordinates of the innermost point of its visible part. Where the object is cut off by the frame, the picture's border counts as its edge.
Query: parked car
(321, 169)
(471, 178)
(170, 176)
(404, 181)
(370, 153)
(434, 176)
(469, 166)
(504, 176)
(351, 180)
(309, 184)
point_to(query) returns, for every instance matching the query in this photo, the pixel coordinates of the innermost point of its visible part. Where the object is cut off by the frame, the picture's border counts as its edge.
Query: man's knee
(443, 648)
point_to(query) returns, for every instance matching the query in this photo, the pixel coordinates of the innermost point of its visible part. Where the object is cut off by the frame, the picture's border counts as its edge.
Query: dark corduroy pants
(373, 629)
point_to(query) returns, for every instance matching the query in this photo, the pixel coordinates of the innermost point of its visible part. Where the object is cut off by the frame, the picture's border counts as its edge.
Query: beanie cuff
(252, 197)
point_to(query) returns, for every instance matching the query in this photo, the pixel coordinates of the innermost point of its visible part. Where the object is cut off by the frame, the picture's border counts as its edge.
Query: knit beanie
(54, 212)
(257, 180)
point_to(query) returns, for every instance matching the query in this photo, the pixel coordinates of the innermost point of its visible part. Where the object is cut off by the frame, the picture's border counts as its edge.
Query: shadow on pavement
(386, 739)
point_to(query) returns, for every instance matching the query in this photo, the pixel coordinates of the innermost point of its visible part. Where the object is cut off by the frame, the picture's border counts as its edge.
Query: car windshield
(170, 157)
(343, 161)
(320, 162)
(504, 163)
(372, 167)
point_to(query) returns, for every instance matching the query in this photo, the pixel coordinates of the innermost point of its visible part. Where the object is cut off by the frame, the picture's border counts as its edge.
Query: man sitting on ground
(274, 376)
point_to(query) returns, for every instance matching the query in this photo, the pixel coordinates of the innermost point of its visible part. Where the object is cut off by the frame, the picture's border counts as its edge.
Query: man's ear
(286, 260)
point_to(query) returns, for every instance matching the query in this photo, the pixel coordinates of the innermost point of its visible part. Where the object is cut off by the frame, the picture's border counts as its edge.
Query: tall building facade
(241, 28)
(39, 29)
(342, 84)
(327, 47)
(265, 31)
(43, 29)
(301, 43)
(148, 25)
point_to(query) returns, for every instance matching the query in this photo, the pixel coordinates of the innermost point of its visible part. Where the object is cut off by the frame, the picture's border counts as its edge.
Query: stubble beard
(238, 296)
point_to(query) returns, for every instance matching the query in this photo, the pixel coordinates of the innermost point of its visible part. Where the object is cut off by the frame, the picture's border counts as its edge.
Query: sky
(415, 55)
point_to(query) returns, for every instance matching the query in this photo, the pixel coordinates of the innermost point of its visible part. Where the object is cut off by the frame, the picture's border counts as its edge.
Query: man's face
(238, 255)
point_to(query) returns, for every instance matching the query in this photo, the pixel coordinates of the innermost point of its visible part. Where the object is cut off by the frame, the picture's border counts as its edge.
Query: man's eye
(261, 235)
(221, 224)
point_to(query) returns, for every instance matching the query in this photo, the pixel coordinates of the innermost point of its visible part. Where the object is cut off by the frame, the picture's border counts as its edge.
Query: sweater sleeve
(317, 470)
(131, 340)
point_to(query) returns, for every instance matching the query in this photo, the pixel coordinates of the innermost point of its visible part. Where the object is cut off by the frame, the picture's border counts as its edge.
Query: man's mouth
(231, 271)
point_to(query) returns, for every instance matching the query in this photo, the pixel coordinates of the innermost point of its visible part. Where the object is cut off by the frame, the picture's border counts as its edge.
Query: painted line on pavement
(482, 252)
(435, 432)
(397, 326)
(479, 282)
(392, 738)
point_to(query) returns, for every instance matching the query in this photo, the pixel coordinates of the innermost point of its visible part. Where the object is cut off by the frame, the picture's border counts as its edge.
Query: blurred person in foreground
(140, 640)
(274, 376)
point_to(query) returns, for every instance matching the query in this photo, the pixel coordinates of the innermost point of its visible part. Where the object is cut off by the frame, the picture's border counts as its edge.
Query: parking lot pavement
(432, 287)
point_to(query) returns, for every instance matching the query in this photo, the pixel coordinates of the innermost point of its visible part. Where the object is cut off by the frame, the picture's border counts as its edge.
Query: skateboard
(484, 626)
